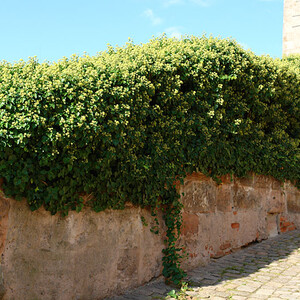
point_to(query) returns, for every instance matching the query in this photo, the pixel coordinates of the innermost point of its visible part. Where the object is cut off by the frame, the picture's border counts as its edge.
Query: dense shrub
(125, 124)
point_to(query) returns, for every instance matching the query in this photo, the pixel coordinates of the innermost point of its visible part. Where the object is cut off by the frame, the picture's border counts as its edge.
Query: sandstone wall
(291, 27)
(93, 255)
(221, 219)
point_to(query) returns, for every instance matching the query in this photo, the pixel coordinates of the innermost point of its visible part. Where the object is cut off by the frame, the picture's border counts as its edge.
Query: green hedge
(125, 124)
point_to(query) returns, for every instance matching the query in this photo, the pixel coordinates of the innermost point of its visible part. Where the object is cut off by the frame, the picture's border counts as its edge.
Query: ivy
(125, 125)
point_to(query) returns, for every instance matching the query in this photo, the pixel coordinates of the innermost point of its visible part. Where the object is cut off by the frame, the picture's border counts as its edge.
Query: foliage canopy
(126, 124)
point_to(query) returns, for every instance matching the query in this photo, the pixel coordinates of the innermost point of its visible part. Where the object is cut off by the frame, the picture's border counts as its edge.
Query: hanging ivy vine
(126, 124)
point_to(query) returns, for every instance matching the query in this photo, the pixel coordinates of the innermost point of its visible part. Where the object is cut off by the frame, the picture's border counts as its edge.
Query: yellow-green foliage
(125, 124)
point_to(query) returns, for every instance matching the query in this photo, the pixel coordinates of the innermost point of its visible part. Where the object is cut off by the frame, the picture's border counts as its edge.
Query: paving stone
(263, 278)
(230, 286)
(246, 288)
(240, 293)
(264, 292)
(259, 296)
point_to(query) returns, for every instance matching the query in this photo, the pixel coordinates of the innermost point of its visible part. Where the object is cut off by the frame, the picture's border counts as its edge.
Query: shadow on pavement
(241, 264)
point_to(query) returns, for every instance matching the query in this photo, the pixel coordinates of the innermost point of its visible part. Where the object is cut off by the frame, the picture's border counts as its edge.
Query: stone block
(275, 202)
(245, 198)
(199, 197)
(190, 223)
(272, 225)
(291, 30)
(245, 181)
(224, 198)
(293, 202)
(263, 182)
(277, 185)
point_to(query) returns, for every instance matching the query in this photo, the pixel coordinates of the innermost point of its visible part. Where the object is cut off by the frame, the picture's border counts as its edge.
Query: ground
(266, 270)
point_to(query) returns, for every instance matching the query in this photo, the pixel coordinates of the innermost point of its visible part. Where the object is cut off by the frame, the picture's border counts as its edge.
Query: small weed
(181, 294)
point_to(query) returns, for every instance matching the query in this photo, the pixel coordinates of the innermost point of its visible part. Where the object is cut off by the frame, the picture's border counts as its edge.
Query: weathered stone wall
(291, 27)
(221, 219)
(93, 255)
(82, 256)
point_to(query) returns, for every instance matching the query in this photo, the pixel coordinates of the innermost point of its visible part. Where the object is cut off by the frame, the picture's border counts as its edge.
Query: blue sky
(52, 29)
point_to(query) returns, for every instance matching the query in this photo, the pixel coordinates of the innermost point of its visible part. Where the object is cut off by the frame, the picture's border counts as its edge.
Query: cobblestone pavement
(266, 270)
